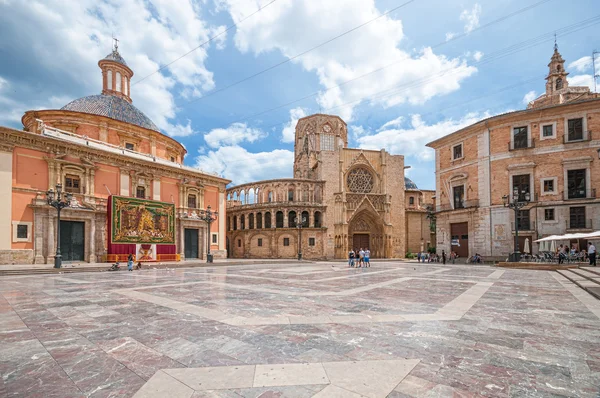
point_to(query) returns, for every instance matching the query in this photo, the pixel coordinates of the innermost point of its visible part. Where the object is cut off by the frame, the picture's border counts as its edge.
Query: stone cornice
(64, 116)
(509, 118)
(49, 145)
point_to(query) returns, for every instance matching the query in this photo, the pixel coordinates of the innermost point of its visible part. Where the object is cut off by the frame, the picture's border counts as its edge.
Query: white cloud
(530, 96)
(581, 80)
(477, 55)
(233, 135)
(288, 134)
(240, 166)
(411, 141)
(392, 123)
(450, 35)
(152, 34)
(582, 64)
(471, 18)
(371, 47)
(180, 130)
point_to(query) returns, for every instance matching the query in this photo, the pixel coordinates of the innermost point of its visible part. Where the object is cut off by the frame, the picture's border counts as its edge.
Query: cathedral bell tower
(116, 75)
(317, 136)
(557, 76)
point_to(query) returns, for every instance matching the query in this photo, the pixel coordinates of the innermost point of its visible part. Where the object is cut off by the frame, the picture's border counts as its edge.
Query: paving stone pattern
(300, 330)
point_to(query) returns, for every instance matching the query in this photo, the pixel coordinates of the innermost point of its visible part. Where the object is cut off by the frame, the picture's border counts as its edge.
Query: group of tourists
(360, 257)
(563, 253)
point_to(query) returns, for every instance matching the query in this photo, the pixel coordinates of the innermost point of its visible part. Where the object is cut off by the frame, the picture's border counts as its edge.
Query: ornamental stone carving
(360, 180)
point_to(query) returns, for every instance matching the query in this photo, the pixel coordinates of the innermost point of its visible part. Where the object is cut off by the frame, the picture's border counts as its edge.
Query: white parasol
(526, 248)
(553, 246)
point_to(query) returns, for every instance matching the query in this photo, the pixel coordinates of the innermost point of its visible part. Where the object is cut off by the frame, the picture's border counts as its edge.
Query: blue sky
(440, 68)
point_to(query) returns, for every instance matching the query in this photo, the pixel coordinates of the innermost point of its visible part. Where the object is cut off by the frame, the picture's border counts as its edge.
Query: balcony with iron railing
(575, 225)
(585, 136)
(528, 145)
(579, 193)
(465, 204)
(524, 226)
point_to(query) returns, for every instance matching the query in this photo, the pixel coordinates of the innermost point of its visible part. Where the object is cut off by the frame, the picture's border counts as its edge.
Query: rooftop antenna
(596, 75)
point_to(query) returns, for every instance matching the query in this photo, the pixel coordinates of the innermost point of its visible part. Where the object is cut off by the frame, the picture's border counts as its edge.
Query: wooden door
(72, 240)
(191, 243)
(360, 241)
(460, 239)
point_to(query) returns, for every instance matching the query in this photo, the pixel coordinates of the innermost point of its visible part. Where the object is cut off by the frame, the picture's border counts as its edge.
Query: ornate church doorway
(365, 230)
(360, 241)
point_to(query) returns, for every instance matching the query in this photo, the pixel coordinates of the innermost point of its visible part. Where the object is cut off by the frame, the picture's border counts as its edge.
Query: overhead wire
(211, 93)
(492, 57)
(388, 65)
(210, 39)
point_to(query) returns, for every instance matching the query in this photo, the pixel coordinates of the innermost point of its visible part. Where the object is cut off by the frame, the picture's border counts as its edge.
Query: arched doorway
(365, 230)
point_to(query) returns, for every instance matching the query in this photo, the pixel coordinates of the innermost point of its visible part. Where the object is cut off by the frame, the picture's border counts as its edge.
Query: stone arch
(259, 220)
(305, 217)
(366, 229)
(279, 219)
(268, 219)
(292, 219)
(317, 219)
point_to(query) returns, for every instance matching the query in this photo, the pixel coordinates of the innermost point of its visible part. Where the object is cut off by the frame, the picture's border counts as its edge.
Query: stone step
(589, 286)
(593, 270)
(587, 274)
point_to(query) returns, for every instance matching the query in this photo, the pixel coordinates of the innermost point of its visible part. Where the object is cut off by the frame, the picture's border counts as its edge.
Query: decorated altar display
(144, 228)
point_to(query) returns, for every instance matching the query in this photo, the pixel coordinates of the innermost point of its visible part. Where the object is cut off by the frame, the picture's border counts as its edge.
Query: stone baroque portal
(344, 199)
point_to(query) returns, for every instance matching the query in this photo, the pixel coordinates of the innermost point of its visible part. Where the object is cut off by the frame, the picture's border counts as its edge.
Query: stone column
(92, 240)
(50, 234)
(39, 221)
(180, 240)
(222, 220)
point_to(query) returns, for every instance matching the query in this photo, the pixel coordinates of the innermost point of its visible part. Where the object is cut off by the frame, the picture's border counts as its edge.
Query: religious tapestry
(142, 221)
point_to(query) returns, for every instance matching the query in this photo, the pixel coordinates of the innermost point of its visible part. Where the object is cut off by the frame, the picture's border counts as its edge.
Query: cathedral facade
(339, 199)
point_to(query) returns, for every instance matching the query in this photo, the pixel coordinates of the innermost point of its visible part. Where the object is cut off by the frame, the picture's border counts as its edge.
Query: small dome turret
(116, 75)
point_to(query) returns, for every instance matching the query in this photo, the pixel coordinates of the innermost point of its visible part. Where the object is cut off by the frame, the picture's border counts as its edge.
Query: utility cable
(386, 66)
(204, 43)
(211, 93)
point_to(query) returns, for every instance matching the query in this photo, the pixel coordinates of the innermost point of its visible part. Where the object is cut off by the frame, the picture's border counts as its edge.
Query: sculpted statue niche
(360, 180)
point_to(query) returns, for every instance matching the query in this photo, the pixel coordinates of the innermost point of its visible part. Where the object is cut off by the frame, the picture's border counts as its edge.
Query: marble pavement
(299, 330)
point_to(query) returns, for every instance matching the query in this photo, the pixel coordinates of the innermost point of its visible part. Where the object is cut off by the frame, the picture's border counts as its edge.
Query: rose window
(360, 181)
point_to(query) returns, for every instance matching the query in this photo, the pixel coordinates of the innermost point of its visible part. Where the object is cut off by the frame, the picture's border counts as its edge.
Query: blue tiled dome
(113, 107)
(115, 56)
(409, 184)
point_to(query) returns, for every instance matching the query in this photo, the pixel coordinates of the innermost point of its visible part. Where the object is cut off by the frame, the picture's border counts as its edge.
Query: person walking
(453, 257)
(561, 256)
(443, 257)
(351, 258)
(367, 257)
(419, 257)
(130, 262)
(361, 257)
(592, 254)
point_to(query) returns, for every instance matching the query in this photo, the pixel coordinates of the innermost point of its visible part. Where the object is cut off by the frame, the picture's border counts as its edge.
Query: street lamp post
(59, 202)
(517, 201)
(209, 216)
(299, 226)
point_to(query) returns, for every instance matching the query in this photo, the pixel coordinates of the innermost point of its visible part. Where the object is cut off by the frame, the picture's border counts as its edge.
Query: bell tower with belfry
(318, 137)
(557, 76)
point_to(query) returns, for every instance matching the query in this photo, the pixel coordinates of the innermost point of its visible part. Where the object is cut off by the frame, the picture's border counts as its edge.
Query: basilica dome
(113, 107)
(409, 184)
